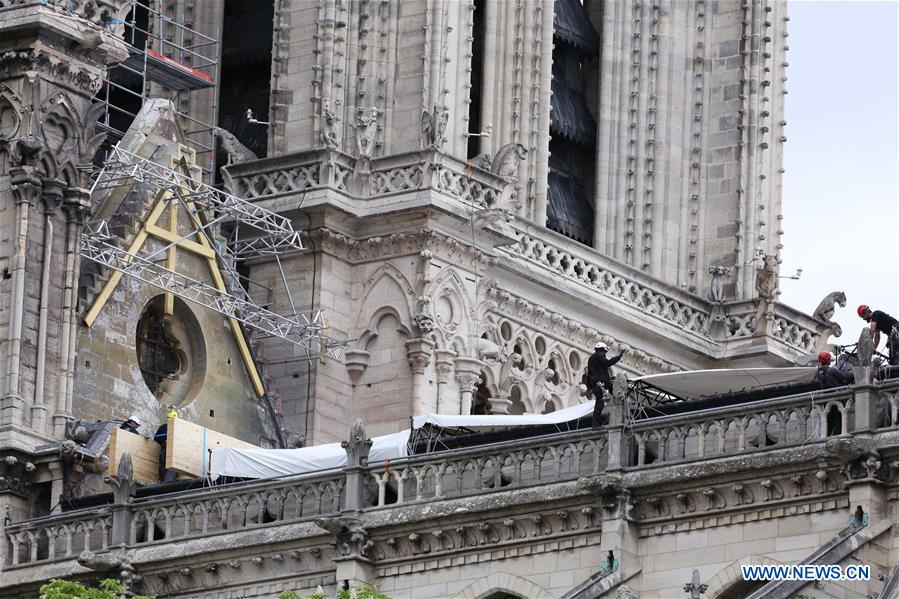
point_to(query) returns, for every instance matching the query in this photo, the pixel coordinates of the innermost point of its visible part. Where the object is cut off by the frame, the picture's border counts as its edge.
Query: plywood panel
(187, 450)
(144, 455)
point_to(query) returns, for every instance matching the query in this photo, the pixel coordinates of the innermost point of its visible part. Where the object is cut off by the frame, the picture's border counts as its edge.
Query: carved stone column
(444, 366)
(468, 375)
(76, 205)
(419, 352)
(357, 449)
(26, 187)
(615, 408)
(52, 197)
(123, 487)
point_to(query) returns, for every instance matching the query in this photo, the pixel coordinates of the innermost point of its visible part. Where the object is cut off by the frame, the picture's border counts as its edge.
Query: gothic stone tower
(489, 187)
(52, 61)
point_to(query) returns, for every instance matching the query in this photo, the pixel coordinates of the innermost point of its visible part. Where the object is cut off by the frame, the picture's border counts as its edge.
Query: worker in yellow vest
(161, 436)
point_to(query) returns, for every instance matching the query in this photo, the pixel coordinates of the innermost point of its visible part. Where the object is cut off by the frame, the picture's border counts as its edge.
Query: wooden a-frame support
(166, 203)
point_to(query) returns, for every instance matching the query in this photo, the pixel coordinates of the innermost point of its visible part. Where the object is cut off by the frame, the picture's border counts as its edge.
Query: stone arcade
(485, 188)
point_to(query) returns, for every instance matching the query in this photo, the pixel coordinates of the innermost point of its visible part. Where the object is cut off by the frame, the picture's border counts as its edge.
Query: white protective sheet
(271, 463)
(700, 383)
(483, 423)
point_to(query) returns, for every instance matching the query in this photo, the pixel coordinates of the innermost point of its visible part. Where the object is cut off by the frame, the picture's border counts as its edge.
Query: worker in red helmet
(829, 376)
(881, 322)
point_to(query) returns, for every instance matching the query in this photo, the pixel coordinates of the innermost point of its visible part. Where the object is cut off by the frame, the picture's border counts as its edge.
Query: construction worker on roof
(881, 322)
(829, 376)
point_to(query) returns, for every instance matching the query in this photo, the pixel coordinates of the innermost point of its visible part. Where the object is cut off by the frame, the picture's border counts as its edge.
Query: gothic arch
(394, 286)
(503, 582)
(367, 338)
(727, 582)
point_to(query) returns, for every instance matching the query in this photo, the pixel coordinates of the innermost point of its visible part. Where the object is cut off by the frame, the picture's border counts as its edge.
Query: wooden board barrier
(144, 455)
(187, 450)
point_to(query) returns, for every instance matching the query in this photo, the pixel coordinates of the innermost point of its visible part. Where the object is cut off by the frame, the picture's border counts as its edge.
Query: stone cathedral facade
(485, 189)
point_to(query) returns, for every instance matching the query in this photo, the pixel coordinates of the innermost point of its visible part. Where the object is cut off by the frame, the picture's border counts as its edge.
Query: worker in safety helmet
(161, 437)
(131, 425)
(829, 376)
(881, 322)
(599, 379)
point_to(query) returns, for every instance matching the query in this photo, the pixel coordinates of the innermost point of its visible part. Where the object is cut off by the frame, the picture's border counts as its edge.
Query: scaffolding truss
(167, 53)
(206, 208)
(123, 169)
(303, 329)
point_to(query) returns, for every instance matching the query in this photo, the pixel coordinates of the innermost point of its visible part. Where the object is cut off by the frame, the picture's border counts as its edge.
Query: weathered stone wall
(109, 383)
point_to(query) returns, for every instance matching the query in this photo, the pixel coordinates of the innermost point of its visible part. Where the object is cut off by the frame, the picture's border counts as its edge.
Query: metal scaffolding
(207, 208)
(168, 53)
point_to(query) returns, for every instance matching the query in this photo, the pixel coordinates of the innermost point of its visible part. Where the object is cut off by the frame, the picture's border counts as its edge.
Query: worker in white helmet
(599, 378)
(131, 425)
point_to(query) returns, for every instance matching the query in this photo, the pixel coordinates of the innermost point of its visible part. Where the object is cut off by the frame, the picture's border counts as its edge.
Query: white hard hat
(600, 345)
(135, 420)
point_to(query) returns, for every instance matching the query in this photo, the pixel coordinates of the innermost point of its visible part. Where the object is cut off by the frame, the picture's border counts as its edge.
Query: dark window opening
(572, 149)
(158, 355)
(246, 71)
(480, 404)
(477, 76)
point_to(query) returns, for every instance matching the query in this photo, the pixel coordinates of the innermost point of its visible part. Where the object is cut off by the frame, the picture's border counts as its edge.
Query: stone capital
(76, 203)
(468, 373)
(52, 194)
(419, 352)
(444, 364)
(26, 185)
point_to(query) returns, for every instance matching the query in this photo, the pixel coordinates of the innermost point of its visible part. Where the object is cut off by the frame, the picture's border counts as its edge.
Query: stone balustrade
(773, 423)
(652, 443)
(547, 250)
(173, 517)
(59, 537)
(490, 468)
(270, 178)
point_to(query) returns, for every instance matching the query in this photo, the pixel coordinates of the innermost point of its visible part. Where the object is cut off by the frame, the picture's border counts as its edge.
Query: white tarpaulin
(271, 463)
(503, 421)
(701, 383)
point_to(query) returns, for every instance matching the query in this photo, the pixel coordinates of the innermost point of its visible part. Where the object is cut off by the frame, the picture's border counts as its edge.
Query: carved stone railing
(186, 515)
(797, 329)
(489, 468)
(100, 12)
(790, 326)
(598, 273)
(477, 471)
(270, 178)
(733, 430)
(59, 537)
(227, 509)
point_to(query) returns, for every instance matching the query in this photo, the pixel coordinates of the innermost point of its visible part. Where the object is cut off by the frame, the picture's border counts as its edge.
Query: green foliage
(66, 589)
(366, 592)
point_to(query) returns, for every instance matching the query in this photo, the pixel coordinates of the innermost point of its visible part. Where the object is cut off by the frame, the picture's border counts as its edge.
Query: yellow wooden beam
(237, 332)
(184, 244)
(172, 257)
(116, 276)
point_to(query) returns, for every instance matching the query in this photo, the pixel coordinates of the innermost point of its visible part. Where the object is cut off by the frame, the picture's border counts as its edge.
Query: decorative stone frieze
(16, 475)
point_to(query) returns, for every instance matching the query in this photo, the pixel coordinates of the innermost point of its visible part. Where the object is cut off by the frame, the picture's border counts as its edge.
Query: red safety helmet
(862, 309)
(824, 357)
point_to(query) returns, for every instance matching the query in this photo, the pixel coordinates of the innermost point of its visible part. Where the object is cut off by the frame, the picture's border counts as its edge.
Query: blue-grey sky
(840, 185)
